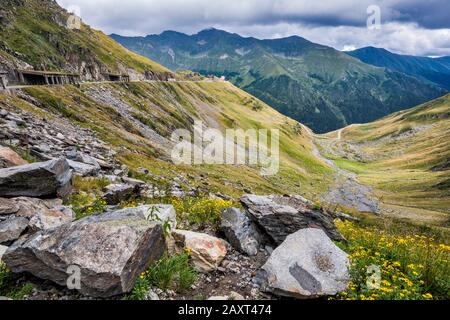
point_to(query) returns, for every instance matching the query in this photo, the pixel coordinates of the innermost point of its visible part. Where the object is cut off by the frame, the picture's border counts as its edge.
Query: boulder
(9, 158)
(83, 169)
(12, 228)
(280, 216)
(116, 193)
(207, 252)
(306, 265)
(240, 231)
(110, 251)
(41, 180)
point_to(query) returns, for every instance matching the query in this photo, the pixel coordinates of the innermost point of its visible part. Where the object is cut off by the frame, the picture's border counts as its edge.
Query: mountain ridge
(434, 70)
(317, 85)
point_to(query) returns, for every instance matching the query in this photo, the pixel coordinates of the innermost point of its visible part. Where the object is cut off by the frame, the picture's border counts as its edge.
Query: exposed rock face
(9, 158)
(307, 265)
(281, 216)
(240, 231)
(207, 252)
(42, 180)
(30, 214)
(110, 250)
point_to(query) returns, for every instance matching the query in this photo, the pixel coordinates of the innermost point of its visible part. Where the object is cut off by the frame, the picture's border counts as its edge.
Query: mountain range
(317, 85)
(435, 70)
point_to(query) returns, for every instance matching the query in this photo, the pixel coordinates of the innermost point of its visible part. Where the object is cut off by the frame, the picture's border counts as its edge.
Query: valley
(94, 206)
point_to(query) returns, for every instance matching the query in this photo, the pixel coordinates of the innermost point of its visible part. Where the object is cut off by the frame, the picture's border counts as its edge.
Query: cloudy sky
(418, 27)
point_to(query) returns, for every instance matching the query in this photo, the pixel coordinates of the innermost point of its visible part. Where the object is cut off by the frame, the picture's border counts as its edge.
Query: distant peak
(373, 49)
(171, 33)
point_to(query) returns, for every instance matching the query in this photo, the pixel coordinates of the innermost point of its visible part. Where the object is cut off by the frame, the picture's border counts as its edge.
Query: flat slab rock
(109, 250)
(280, 216)
(49, 179)
(307, 265)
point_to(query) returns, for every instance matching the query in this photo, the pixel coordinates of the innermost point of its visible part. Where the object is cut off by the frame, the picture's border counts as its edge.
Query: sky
(415, 27)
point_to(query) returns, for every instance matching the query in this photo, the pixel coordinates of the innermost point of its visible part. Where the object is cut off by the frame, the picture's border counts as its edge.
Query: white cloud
(406, 23)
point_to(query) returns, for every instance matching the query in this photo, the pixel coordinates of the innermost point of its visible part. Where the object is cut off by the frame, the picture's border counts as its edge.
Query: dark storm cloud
(274, 18)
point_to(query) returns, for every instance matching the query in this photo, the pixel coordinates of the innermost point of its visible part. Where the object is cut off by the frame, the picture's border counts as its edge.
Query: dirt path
(346, 191)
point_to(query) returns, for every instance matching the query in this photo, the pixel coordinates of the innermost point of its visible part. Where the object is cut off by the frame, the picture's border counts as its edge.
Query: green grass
(174, 273)
(9, 289)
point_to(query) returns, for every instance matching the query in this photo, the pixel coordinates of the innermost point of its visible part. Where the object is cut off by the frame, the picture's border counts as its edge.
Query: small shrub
(173, 273)
(5, 277)
(7, 288)
(412, 267)
(198, 211)
(90, 185)
(21, 292)
(98, 206)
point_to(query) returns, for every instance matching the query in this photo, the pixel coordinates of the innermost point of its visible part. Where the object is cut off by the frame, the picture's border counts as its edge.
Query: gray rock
(307, 265)
(134, 182)
(110, 250)
(43, 179)
(86, 159)
(83, 169)
(37, 213)
(240, 231)
(51, 218)
(116, 193)
(12, 228)
(280, 216)
(8, 206)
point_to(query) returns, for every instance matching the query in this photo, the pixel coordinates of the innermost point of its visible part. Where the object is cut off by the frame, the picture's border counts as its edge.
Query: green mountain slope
(316, 85)
(430, 69)
(137, 119)
(34, 33)
(405, 157)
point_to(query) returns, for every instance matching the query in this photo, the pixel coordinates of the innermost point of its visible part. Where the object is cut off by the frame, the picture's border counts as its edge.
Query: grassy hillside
(406, 157)
(317, 85)
(134, 109)
(35, 32)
